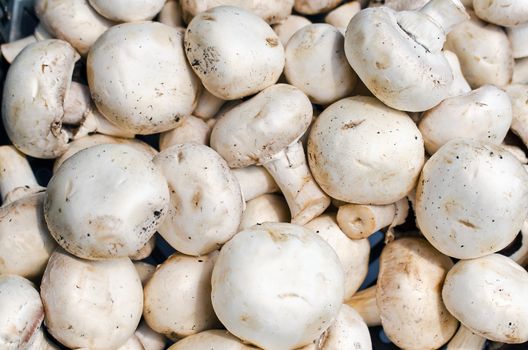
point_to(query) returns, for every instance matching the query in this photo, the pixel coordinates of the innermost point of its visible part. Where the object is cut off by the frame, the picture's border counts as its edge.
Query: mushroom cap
(139, 77)
(488, 295)
(106, 202)
(357, 144)
(483, 114)
(189, 129)
(317, 65)
(259, 128)
(265, 208)
(215, 339)
(289, 26)
(22, 312)
(177, 297)
(206, 201)
(349, 331)
(409, 297)
(32, 112)
(231, 65)
(518, 94)
(150, 339)
(312, 7)
(307, 286)
(505, 13)
(128, 10)
(91, 304)
(471, 199)
(74, 21)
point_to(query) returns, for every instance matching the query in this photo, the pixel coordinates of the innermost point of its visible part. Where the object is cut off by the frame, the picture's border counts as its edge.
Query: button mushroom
(464, 339)
(460, 85)
(506, 13)
(341, 16)
(148, 338)
(265, 208)
(289, 26)
(520, 71)
(254, 181)
(128, 10)
(171, 14)
(213, 339)
(312, 7)
(518, 94)
(208, 105)
(189, 129)
(364, 302)
(11, 49)
(517, 38)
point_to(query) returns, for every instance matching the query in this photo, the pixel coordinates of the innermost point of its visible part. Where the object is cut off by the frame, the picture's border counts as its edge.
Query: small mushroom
(341, 16)
(460, 85)
(464, 339)
(262, 313)
(255, 181)
(471, 199)
(106, 211)
(171, 14)
(518, 94)
(189, 129)
(148, 338)
(487, 295)
(213, 339)
(313, 7)
(264, 208)
(289, 26)
(208, 105)
(364, 302)
(505, 13)
(231, 65)
(128, 10)
(520, 71)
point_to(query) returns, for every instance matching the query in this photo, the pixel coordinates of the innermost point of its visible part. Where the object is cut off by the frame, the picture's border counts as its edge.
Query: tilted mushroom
(142, 95)
(128, 10)
(312, 7)
(92, 222)
(11, 49)
(213, 339)
(357, 144)
(231, 65)
(379, 40)
(517, 38)
(265, 130)
(459, 85)
(341, 16)
(464, 339)
(208, 105)
(471, 199)
(177, 298)
(505, 13)
(289, 26)
(364, 302)
(171, 14)
(189, 129)
(296, 260)
(22, 312)
(148, 338)
(317, 65)
(520, 71)
(493, 303)
(264, 208)
(518, 94)
(206, 202)
(91, 304)
(255, 181)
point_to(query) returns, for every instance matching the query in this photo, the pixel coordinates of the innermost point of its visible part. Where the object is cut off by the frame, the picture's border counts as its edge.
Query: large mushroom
(505, 13)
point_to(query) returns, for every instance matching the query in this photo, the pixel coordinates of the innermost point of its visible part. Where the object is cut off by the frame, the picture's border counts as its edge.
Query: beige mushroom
(464, 339)
(128, 10)
(189, 129)
(517, 36)
(171, 14)
(505, 13)
(11, 49)
(255, 181)
(518, 94)
(289, 26)
(208, 105)
(264, 208)
(213, 340)
(460, 85)
(364, 302)
(144, 270)
(148, 338)
(341, 16)
(520, 71)
(312, 7)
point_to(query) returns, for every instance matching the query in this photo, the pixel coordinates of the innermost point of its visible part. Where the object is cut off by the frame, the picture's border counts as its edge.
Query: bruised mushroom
(213, 339)
(264, 208)
(128, 10)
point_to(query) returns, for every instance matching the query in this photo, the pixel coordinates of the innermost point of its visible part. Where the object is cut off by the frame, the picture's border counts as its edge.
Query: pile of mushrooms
(220, 171)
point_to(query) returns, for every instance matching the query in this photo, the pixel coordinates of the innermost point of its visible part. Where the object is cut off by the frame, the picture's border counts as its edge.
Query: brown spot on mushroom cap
(272, 42)
(468, 224)
(352, 124)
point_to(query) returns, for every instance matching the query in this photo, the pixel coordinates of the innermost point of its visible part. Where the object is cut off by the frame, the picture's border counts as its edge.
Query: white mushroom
(520, 256)
(189, 129)
(213, 340)
(505, 13)
(144, 270)
(364, 302)
(520, 71)
(341, 16)
(459, 85)
(487, 295)
(255, 181)
(92, 304)
(517, 38)
(132, 343)
(405, 5)
(264, 208)
(148, 338)
(289, 26)
(518, 94)
(106, 211)
(128, 10)
(312, 7)
(171, 14)
(41, 342)
(262, 313)
(517, 152)
(208, 105)
(464, 339)
(11, 49)
(471, 199)
(144, 252)
(231, 65)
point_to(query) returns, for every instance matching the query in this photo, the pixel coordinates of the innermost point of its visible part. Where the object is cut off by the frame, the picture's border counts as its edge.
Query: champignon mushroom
(313, 7)
(459, 85)
(254, 181)
(144, 270)
(405, 5)
(289, 26)
(264, 208)
(106, 211)
(518, 94)
(517, 36)
(213, 339)
(487, 295)
(505, 13)
(464, 339)
(341, 16)
(357, 144)
(128, 10)
(188, 130)
(11, 49)
(142, 95)
(148, 338)
(520, 71)
(379, 40)
(208, 105)
(296, 260)
(364, 302)
(41, 342)
(231, 65)
(171, 14)
(471, 199)
(265, 130)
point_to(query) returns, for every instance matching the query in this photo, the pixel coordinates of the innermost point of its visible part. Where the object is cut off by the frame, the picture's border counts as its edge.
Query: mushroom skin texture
(517, 38)
(206, 202)
(142, 95)
(358, 143)
(313, 7)
(22, 312)
(295, 259)
(471, 199)
(378, 40)
(483, 114)
(106, 211)
(290, 26)
(409, 297)
(364, 302)
(91, 304)
(506, 13)
(231, 65)
(493, 303)
(171, 14)
(213, 339)
(128, 10)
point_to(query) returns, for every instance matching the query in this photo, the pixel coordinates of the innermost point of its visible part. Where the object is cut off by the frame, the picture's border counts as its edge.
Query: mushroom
(265, 130)
(145, 252)
(493, 303)
(231, 65)
(471, 199)
(22, 312)
(518, 94)
(464, 339)
(144, 270)
(308, 286)
(213, 339)
(91, 304)
(189, 129)
(505, 13)
(313, 7)
(317, 65)
(148, 338)
(520, 255)
(128, 10)
(517, 152)
(106, 211)
(132, 343)
(254, 181)
(341, 16)
(364, 302)
(206, 202)
(186, 309)
(517, 36)
(405, 5)
(208, 105)
(353, 254)
(379, 40)
(460, 85)
(290, 26)
(264, 208)
(171, 14)
(483, 114)
(11, 49)
(361, 151)
(520, 71)
(142, 96)
(41, 342)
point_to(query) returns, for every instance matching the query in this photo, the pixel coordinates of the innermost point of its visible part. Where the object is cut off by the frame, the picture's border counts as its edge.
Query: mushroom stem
(291, 173)
(364, 302)
(40, 342)
(464, 339)
(254, 181)
(517, 36)
(360, 221)
(16, 177)
(171, 14)
(445, 13)
(11, 50)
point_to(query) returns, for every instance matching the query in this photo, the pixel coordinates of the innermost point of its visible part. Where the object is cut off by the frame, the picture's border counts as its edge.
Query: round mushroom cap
(259, 128)
(106, 202)
(91, 304)
(206, 201)
(471, 199)
(361, 151)
(140, 79)
(32, 112)
(128, 10)
(231, 65)
(488, 295)
(507, 13)
(21, 312)
(307, 286)
(213, 339)
(349, 331)
(290, 26)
